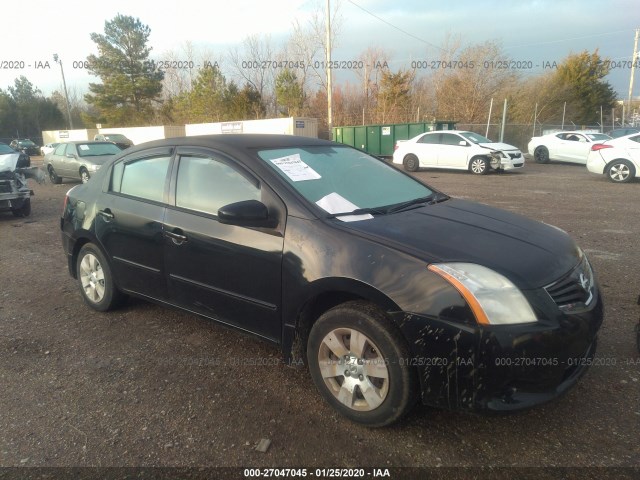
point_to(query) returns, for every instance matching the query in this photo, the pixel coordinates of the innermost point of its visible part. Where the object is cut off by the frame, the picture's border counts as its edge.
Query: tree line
(260, 80)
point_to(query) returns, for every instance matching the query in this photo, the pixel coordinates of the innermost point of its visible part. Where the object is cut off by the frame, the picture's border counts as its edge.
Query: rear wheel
(541, 155)
(84, 175)
(53, 176)
(479, 165)
(411, 163)
(95, 279)
(621, 171)
(357, 359)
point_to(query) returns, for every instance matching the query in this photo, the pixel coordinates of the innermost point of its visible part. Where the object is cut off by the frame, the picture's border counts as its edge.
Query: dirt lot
(149, 386)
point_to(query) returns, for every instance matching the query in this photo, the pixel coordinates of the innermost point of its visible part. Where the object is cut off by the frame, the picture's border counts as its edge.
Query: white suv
(455, 149)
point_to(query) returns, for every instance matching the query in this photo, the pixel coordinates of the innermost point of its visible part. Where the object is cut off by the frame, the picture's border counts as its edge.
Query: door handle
(106, 214)
(176, 236)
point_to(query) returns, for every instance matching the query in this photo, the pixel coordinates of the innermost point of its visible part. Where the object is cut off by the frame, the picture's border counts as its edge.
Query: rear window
(97, 149)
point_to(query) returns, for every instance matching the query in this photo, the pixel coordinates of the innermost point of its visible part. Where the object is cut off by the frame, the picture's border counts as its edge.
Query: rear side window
(205, 184)
(144, 178)
(429, 138)
(60, 149)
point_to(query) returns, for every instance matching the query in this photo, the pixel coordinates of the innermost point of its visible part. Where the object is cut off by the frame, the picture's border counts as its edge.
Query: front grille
(576, 290)
(515, 155)
(517, 164)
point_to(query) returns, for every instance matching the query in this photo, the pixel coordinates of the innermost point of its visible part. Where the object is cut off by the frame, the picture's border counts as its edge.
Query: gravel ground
(150, 386)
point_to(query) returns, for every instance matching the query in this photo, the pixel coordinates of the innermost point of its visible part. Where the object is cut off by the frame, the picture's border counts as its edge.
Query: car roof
(83, 142)
(236, 142)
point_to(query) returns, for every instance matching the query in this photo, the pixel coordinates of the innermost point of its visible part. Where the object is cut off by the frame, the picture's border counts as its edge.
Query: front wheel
(24, 210)
(95, 279)
(479, 165)
(541, 155)
(357, 360)
(411, 163)
(621, 171)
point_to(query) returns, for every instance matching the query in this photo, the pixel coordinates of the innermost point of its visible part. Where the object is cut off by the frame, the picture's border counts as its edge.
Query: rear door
(57, 159)
(226, 272)
(427, 148)
(129, 221)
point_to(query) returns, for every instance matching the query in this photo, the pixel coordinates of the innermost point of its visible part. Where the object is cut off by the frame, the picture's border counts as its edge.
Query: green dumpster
(381, 139)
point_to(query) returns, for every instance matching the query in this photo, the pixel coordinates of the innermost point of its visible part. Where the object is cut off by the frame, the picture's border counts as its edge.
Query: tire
(541, 155)
(53, 176)
(95, 279)
(24, 210)
(84, 175)
(368, 383)
(411, 163)
(620, 171)
(479, 165)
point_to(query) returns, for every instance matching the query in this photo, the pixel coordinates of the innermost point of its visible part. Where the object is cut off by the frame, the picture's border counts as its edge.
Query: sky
(531, 32)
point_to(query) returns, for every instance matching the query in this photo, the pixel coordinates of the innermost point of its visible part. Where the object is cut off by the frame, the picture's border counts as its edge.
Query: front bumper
(502, 368)
(515, 160)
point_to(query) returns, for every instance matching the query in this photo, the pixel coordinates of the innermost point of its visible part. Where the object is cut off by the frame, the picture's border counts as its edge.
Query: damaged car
(15, 194)
(392, 291)
(458, 150)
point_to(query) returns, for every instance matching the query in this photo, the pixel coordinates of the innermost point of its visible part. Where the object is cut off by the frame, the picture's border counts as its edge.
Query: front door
(226, 272)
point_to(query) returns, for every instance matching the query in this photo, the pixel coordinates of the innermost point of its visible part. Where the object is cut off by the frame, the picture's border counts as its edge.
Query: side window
(60, 149)
(430, 138)
(450, 139)
(144, 178)
(635, 138)
(206, 184)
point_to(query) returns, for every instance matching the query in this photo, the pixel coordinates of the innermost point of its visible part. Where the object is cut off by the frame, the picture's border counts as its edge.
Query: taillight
(599, 146)
(395, 147)
(64, 204)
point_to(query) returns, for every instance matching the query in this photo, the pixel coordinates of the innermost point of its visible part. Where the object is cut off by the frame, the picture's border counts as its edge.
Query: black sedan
(390, 289)
(26, 146)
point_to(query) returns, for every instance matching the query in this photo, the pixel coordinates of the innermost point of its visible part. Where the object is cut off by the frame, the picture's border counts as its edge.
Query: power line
(394, 26)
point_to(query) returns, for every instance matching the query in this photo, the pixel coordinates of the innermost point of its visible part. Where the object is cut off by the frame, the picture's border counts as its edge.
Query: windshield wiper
(435, 197)
(360, 211)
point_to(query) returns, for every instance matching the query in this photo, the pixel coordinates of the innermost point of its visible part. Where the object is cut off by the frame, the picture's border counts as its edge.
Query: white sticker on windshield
(83, 147)
(294, 168)
(336, 203)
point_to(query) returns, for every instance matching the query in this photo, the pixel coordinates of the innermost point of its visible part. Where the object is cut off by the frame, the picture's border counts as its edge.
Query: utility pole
(329, 90)
(64, 83)
(633, 69)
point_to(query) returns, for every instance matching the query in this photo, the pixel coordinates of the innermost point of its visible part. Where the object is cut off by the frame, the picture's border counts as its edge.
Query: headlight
(492, 297)
(94, 168)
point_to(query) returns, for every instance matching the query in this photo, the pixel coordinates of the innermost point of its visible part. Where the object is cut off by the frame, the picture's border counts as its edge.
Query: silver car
(78, 159)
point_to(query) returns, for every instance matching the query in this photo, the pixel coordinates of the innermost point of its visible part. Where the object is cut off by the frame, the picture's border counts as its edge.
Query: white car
(48, 148)
(618, 159)
(456, 149)
(571, 147)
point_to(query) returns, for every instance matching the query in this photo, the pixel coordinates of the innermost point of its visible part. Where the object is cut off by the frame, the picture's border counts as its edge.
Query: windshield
(342, 179)
(26, 143)
(96, 149)
(598, 136)
(4, 148)
(475, 138)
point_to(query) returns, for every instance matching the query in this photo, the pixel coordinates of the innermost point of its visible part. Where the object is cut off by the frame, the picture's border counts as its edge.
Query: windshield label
(336, 203)
(83, 147)
(294, 168)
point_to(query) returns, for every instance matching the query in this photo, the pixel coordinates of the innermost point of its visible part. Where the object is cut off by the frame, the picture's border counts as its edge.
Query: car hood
(498, 146)
(530, 253)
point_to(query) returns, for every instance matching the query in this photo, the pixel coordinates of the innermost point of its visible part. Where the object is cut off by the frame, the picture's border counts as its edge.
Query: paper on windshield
(83, 147)
(336, 203)
(294, 168)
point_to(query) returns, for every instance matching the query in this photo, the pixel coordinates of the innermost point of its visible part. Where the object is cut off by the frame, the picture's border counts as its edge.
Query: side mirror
(462, 143)
(248, 213)
(71, 155)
